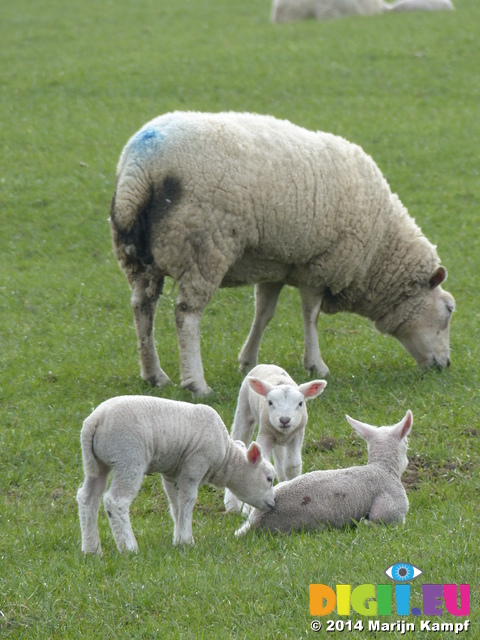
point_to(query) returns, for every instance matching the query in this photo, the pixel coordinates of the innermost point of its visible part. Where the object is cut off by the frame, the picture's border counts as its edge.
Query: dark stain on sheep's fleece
(306, 500)
(137, 239)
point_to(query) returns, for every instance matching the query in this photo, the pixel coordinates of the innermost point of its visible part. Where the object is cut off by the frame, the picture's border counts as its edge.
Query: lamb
(229, 199)
(271, 399)
(188, 444)
(422, 5)
(292, 10)
(340, 497)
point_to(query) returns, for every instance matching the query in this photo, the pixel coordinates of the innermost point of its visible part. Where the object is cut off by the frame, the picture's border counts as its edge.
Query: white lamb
(291, 10)
(422, 5)
(339, 497)
(227, 199)
(187, 443)
(271, 399)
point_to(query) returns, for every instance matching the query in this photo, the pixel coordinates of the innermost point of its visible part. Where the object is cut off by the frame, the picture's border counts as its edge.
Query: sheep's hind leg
(88, 498)
(266, 298)
(144, 301)
(188, 314)
(312, 359)
(117, 502)
(182, 496)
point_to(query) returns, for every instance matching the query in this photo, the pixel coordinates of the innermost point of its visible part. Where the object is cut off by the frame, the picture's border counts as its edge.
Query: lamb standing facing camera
(339, 497)
(228, 199)
(187, 443)
(271, 399)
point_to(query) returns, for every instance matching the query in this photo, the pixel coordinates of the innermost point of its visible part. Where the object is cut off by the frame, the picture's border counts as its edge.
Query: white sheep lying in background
(339, 497)
(422, 5)
(187, 443)
(291, 10)
(271, 399)
(227, 199)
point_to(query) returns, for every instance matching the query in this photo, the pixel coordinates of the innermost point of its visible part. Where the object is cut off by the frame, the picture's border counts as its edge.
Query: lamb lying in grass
(339, 497)
(271, 399)
(187, 443)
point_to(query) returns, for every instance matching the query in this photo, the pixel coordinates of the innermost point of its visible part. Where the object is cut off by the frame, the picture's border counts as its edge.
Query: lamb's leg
(312, 359)
(288, 459)
(144, 299)
(242, 429)
(88, 498)
(117, 500)
(182, 496)
(266, 298)
(388, 508)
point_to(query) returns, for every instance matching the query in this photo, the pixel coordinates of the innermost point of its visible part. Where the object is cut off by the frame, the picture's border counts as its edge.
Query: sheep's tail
(90, 462)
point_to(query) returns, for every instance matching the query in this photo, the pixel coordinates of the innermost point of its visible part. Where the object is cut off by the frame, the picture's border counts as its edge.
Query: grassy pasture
(77, 79)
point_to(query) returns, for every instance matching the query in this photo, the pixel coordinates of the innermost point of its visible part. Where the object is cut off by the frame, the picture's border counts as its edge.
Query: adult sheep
(228, 199)
(292, 10)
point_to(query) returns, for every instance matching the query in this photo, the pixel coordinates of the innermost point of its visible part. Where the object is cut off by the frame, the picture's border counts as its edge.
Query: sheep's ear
(312, 389)
(261, 387)
(438, 277)
(362, 428)
(403, 427)
(254, 453)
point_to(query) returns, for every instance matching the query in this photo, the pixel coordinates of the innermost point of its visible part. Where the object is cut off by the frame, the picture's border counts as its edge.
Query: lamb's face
(286, 408)
(426, 335)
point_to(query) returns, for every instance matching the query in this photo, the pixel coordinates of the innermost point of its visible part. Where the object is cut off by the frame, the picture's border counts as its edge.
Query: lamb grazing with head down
(340, 497)
(187, 443)
(271, 399)
(228, 199)
(292, 10)
(422, 5)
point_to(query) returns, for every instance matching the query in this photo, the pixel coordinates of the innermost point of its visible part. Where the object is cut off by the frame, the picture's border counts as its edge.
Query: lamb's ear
(403, 427)
(438, 277)
(362, 428)
(312, 389)
(259, 386)
(254, 453)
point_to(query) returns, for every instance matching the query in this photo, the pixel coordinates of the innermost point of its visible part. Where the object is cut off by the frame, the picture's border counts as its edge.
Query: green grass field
(77, 79)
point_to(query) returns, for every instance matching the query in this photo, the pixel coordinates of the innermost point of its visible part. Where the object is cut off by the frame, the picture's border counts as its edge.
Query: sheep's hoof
(197, 390)
(317, 369)
(159, 380)
(245, 365)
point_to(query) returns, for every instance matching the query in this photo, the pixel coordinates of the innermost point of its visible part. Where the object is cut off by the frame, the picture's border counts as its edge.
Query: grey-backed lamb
(339, 497)
(187, 443)
(271, 399)
(228, 199)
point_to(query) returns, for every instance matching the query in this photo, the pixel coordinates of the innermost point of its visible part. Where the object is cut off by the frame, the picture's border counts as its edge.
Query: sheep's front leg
(144, 299)
(266, 298)
(242, 429)
(182, 496)
(312, 359)
(388, 508)
(288, 459)
(88, 498)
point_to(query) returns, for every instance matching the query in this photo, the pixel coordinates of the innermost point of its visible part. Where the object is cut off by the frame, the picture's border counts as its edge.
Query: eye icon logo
(403, 572)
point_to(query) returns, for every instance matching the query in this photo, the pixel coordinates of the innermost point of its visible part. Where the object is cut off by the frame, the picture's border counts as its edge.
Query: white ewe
(187, 443)
(226, 199)
(271, 399)
(339, 497)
